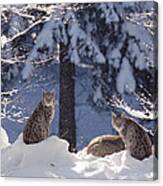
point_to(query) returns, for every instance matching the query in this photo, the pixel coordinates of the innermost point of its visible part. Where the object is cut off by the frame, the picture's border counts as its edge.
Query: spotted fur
(135, 137)
(105, 145)
(37, 127)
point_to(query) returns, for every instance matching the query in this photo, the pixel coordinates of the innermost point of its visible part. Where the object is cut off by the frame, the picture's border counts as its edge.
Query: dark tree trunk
(67, 127)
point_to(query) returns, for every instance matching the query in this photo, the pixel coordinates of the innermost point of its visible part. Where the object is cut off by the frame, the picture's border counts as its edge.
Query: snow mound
(3, 139)
(50, 158)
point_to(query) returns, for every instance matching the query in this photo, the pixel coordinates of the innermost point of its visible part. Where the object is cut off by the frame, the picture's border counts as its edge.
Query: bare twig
(10, 93)
(23, 15)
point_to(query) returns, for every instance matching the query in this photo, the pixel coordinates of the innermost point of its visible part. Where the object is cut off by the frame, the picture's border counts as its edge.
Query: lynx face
(118, 121)
(48, 98)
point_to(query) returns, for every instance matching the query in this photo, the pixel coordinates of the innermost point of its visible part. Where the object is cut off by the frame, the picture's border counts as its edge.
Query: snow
(108, 12)
(27, 71)
(3, 40)
(125, 80)
(78, 37)
(138, 31)
(98, 94)
(135, 112)
(99, 57)
(17, 24)
(75, 57)
(89, 43)
(140, 62)
(74, 33)
(3, 139)
(114, 57)
(44, 40)
(50, 158)
(52, 33)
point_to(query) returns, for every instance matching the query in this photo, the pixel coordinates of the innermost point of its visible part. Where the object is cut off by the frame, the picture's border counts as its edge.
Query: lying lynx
(105, 145)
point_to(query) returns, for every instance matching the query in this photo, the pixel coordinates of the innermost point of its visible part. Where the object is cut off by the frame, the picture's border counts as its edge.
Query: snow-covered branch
(139, 114)
(20, 34)
(14, 61)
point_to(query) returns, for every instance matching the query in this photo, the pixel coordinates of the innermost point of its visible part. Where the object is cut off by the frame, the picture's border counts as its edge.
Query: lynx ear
(114, 115)
(123, 114)
(52, 91)
(44, 93)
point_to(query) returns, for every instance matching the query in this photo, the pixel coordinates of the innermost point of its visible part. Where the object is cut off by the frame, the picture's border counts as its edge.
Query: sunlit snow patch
(3, 138)
(50, 158)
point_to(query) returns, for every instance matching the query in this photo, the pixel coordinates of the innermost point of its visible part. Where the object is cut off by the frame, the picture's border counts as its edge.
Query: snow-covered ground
(4, 142)
(50, 158)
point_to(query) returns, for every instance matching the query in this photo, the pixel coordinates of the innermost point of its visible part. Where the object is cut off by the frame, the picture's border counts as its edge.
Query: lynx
(136, 139)
(105, 145)
(37, 127)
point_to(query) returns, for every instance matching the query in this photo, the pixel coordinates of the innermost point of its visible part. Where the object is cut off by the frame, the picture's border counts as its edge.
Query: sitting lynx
(37, 127)
(134, 136)
(105, 145)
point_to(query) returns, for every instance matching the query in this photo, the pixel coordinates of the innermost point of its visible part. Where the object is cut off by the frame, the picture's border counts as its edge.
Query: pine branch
(20, 34)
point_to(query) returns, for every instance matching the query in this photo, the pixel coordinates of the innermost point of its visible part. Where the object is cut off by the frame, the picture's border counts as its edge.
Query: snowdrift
(50, 158)
(4, 142)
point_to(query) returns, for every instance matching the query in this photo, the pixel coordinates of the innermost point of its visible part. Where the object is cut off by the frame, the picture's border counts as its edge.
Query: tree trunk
(67, 127)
